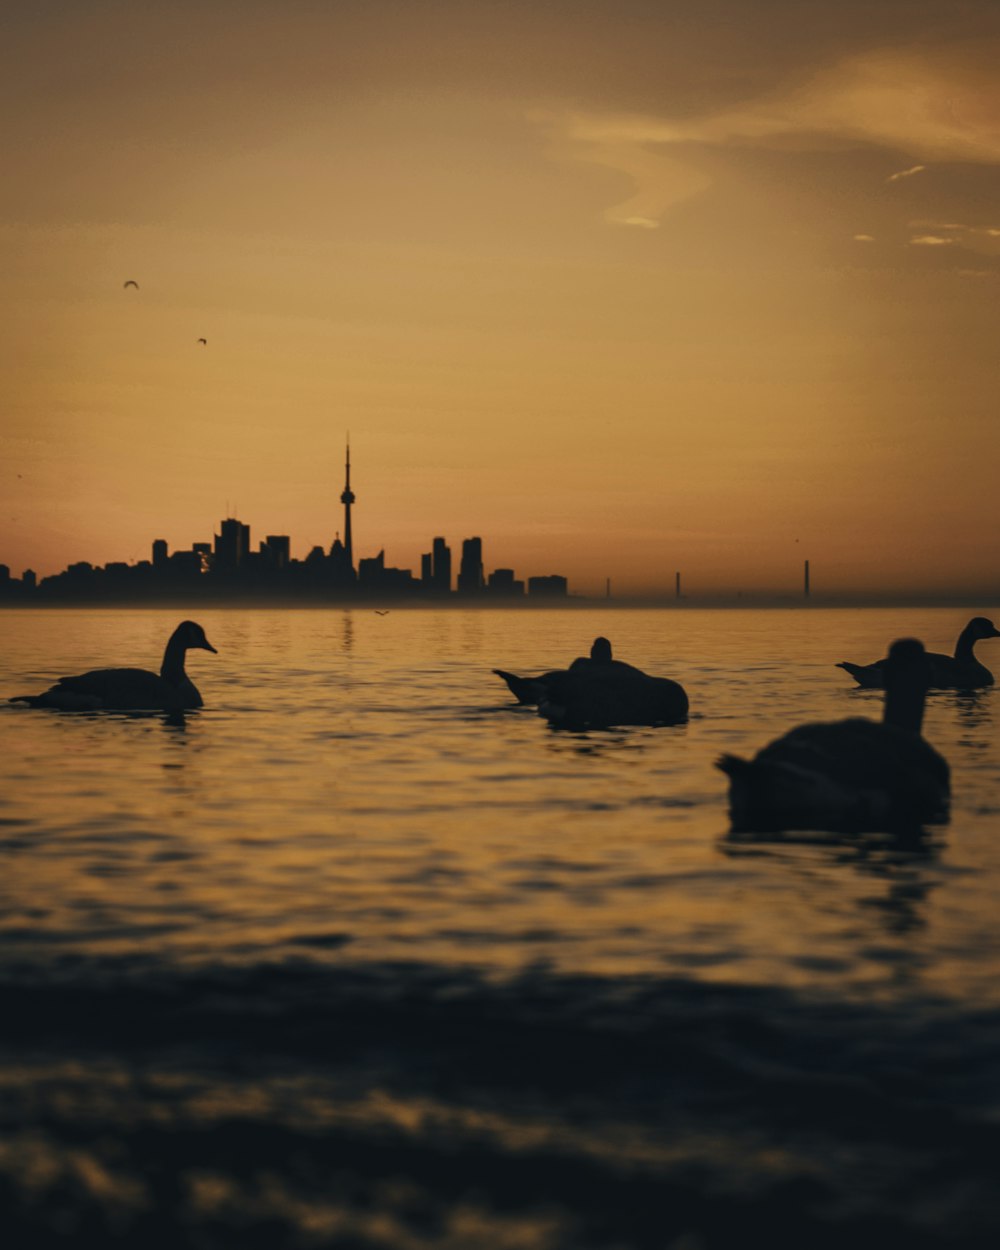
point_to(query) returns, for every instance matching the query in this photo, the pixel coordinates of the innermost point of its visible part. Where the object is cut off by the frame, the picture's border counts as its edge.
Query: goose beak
(994, 633)
(207, 646)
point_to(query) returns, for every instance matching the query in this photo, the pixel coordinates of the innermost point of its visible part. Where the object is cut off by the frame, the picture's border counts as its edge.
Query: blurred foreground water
(364, 955)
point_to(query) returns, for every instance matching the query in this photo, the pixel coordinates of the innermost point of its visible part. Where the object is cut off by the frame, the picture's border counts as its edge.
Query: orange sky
(622, 287)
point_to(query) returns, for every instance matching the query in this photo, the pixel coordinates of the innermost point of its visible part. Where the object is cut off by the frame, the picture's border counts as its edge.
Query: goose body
(961, 671)
(597, 691)
(131, 689)
(852, 775)
(599, 697)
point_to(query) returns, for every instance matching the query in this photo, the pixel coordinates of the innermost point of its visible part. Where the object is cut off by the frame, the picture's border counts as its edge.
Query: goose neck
(904, 707)
(172, 668)
(964, 647)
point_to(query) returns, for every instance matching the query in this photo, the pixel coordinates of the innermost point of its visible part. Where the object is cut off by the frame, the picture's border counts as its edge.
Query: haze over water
(362, 954)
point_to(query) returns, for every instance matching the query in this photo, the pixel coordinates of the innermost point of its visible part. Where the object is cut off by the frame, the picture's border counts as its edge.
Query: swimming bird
(961, 671)
(131, 689)
(532, 689)
(203, 342)
(597, 691)
(597, 696)
(131, 282)
(849, 776)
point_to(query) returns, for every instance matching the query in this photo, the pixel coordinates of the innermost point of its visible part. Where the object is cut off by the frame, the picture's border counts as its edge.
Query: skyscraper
(470, 576)
(232, 545)
(442, 566)
(347, 498)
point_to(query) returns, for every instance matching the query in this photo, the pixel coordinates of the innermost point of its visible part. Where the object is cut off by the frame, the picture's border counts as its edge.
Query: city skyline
(229, 567)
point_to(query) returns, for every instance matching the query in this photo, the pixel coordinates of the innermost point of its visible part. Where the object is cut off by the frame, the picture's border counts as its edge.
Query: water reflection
(974, 709)
(899, 861)
(347, 632)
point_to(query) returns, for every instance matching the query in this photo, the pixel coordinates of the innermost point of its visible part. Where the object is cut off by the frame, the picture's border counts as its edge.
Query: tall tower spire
(347, 498)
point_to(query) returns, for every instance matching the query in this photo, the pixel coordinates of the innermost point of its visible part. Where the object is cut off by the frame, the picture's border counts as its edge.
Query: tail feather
(869, 675)
(732, 765)
(524, 689)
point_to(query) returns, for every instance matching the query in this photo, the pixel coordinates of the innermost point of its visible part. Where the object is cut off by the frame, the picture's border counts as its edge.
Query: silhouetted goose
(533, 689)
(599, 691)
(852, 775)
(601, 696)
(961, 671)
(131, 689)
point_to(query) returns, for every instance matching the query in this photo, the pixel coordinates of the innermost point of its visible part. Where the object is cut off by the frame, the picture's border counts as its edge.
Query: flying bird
(131, 282)
(383, 612)
(203, 342)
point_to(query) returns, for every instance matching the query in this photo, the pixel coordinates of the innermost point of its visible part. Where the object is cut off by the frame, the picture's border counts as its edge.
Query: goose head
(907, 679)
(191, 637)
(981, 627)
(601, 651)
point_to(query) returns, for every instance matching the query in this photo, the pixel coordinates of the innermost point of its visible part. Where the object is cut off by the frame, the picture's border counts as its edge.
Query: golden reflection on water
(360, 787)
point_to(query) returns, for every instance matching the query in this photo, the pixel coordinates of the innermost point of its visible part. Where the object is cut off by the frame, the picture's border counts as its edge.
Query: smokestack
(677, 585)
(805, 584)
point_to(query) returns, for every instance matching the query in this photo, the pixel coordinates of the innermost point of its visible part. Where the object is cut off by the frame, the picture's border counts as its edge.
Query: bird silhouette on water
(961, 671)
(131, 689)
(203, 342)
(849, 776)
(532, 690)
(599, 691)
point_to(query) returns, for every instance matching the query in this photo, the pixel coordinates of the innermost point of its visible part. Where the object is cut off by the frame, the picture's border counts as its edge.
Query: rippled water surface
(363, 954)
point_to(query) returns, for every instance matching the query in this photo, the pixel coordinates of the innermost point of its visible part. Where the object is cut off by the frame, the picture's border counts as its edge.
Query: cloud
(906, 173)
(982, 239)
(864, 238)
(927, 107)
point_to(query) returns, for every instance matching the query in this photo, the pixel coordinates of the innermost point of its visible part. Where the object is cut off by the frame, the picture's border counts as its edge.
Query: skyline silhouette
(227, 568)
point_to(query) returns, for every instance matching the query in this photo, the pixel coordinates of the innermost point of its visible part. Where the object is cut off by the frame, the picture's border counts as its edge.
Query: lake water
(364, 955)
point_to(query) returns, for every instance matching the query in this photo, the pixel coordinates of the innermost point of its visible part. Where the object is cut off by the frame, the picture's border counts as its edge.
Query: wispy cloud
(906, 173)
(982, 239)
(864, 238)
(903, 101)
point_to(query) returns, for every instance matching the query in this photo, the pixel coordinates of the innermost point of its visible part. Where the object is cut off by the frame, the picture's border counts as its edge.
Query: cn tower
(347, 498)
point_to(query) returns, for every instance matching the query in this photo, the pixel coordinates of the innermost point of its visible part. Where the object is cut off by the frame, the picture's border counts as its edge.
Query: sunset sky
(621, 287)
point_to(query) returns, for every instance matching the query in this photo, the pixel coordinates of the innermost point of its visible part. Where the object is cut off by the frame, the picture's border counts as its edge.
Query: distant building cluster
(228, 568)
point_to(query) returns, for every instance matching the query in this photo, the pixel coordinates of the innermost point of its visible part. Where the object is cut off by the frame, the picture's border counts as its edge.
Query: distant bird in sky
(132, 282)
(382, 612)
(203, 342)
